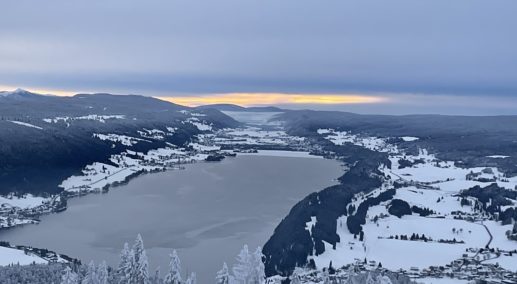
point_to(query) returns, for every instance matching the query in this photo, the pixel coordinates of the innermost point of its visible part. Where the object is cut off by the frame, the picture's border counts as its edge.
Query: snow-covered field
(203, 148)
(92, 117)
(433, 184)
(14, 256)
(201, 125)
(122, 139)
(155, 134)
(498, 156)
(256, 136)
(26, 124)
(409, 138)
(377, 247)
(26, 201)
(445, 175)
(99, 176)
(425, 198)
(431, 280)
(372, 143)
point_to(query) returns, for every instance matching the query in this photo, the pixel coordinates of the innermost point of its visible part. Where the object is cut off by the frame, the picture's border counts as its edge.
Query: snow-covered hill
(425, 213)
(451, 230)
(14, 256)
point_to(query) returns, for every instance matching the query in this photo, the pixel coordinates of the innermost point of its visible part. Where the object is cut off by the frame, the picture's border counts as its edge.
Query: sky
(365, 56)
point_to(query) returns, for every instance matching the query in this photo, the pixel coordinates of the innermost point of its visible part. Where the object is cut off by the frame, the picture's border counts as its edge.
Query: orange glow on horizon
(250, 99)
(242, 99)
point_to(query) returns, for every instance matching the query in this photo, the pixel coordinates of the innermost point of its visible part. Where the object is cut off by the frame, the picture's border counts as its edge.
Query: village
(464, 269)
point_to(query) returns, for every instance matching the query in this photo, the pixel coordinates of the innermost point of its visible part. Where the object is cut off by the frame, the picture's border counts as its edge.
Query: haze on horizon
(396, 57)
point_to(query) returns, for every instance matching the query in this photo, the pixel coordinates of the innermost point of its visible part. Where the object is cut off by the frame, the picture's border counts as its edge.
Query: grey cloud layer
(155, 47)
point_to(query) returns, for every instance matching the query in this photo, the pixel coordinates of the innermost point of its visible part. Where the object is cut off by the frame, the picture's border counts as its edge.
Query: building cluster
(11, 216)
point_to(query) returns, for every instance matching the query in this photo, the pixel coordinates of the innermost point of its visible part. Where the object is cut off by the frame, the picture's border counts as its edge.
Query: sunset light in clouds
(248, 99)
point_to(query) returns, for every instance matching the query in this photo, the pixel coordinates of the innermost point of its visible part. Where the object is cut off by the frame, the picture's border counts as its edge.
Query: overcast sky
(416, 50)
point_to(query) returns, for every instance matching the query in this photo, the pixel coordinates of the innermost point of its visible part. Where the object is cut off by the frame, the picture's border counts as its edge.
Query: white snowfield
(25, 124)
(145, 134)
(93, 117)
(204, 148)
(201, 125)
(122, 139)
(433, 184)
(187, 112)
(11, 205)
(377, 247)
(409, 138)
(26, 201)
(98, 176)
(498, 156)
(431, 280)
(255, 136)
(6, 222)
(372, 143)
(445, 175)
(14, 256)
(424, 198)
(155, 134)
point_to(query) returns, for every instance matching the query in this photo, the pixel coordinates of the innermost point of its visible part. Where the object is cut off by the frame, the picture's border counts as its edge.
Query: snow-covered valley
(400, 206)
(441, 226)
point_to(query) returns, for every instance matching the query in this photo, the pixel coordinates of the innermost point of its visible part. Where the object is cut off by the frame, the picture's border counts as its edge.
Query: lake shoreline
(239, 173)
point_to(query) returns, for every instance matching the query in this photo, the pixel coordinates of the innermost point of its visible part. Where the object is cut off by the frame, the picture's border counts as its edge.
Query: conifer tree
(156, 278)
(139, 264)
(242, 270)
(223, 275)
(174, 274)
(192, 279)
(143, 269)
(257, 268)
(369, 279)
(102, 273)
(69, 277)
(383, 280)
(91, 275)
(296, 276)
(125, 265)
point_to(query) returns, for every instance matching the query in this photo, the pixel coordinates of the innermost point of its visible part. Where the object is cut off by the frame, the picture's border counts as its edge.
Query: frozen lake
(206, 212)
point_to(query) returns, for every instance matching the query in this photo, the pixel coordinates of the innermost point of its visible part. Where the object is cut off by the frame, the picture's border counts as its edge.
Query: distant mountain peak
(20, 90)
(18, 93)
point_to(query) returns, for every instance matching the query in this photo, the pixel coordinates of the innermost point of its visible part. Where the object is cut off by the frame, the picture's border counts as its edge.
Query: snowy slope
(453, 232)
(14, 256)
